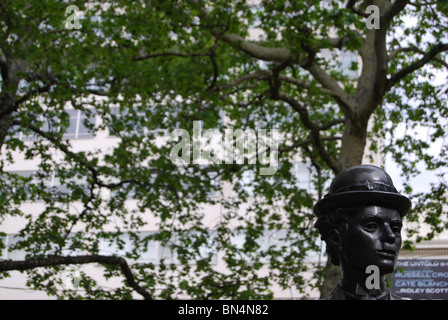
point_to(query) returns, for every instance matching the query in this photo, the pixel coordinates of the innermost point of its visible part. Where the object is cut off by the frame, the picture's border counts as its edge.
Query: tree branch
(372, 84)
(282, 56)
(394, 9)
(395, 52)
(99, 92)
(334, 89)
(338, 43)
(171, 53)
(295, 145)
(211, 54)
(331, 123)
(251, 48)
(306, 85)
(305, 143)
(441, 47)
(215, 71)
(72, 155)
(318, 168)
(351, 5)
(80, 216)
(257, 75)
(255, 50)
(31, 93)
(422, 4)
(275, 54)
(9, 265)
(314, 130)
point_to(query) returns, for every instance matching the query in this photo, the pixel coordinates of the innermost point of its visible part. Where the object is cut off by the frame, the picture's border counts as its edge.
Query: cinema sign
(421, 279)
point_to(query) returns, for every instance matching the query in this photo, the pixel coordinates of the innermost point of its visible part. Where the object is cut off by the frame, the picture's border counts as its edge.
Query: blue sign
(421, 279)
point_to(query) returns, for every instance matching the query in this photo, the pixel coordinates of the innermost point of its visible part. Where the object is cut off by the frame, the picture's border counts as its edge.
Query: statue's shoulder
(393, 296)
(335, 294)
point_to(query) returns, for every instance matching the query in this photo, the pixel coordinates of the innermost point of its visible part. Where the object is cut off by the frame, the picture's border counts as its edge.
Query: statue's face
(373, 238)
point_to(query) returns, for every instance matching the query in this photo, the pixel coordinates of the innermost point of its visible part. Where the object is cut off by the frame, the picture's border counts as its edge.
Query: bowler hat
(362, 185)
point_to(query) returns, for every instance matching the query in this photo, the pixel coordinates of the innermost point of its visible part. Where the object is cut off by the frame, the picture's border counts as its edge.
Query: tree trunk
(332, 275)
(351, 154)
(353, 144)
(5, 124)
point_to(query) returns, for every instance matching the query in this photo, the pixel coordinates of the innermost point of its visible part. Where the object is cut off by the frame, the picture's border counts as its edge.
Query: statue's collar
(354, 290)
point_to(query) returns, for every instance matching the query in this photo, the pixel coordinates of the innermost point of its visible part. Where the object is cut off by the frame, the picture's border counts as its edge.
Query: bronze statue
(360, 220)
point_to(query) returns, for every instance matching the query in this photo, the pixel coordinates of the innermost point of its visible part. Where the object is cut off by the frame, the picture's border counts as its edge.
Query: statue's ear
(335, 239)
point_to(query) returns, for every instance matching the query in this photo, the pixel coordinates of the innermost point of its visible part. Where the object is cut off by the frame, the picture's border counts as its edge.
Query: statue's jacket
(339, 294)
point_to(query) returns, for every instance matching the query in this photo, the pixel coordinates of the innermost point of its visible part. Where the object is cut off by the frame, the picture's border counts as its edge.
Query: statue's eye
(371, 226)
(396, 229)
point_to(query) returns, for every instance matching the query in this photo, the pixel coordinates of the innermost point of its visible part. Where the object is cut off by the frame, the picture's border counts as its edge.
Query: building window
(78, 128)
(55, 183)
(11, 241)
(155, 251)
(51, 182)
(302, 172)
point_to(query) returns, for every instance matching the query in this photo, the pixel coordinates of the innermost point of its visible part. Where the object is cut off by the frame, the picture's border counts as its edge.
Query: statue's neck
(359, 283)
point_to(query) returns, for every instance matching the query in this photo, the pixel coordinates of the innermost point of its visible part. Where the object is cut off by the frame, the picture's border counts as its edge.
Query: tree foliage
(145, 66)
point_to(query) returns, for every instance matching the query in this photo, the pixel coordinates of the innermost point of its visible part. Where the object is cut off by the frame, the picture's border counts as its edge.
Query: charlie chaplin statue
(360, 220)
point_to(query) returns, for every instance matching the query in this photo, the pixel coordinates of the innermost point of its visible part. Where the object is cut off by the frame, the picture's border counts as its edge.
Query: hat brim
(363, 198)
